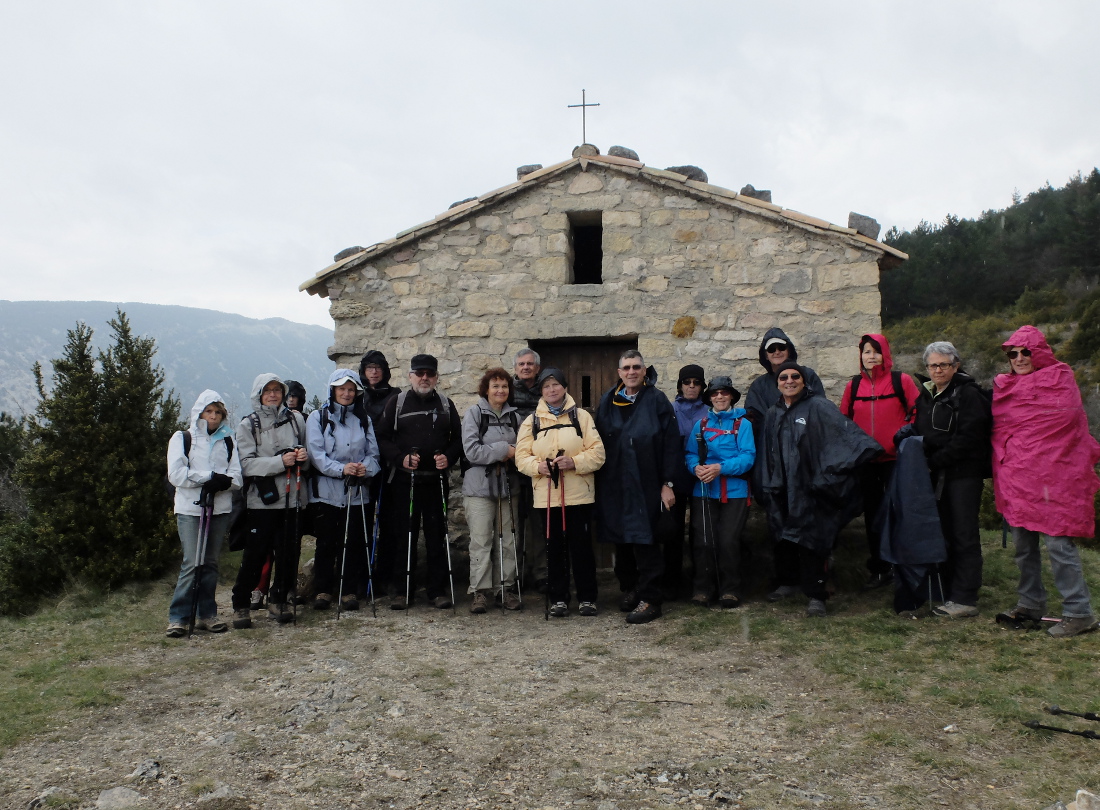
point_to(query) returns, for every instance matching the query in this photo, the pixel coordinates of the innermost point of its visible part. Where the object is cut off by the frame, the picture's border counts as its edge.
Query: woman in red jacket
(881, 401)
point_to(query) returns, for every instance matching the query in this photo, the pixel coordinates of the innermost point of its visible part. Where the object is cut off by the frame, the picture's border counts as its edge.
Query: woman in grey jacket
(273, 456)
(344, 453)
(489, 441)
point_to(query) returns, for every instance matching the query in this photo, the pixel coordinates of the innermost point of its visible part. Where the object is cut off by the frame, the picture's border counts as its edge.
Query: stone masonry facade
(695, 271)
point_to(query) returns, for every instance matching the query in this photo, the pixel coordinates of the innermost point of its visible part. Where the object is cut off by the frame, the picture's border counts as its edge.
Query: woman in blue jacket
(719, 452)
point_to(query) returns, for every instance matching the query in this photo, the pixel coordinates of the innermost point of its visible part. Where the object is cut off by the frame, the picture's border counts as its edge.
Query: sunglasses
(1012, 355)
(721, 392)
(787, 377)
(631, 368)
(424, 372)
(693, 383)
(776, 348)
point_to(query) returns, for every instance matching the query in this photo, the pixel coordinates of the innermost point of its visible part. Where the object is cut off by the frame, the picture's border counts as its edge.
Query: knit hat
(552, 373)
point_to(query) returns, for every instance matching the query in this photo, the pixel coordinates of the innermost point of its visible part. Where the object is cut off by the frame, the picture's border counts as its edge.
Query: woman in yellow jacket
(559, 448)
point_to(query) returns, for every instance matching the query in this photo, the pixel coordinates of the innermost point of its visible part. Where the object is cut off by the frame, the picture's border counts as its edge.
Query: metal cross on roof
(583, 105)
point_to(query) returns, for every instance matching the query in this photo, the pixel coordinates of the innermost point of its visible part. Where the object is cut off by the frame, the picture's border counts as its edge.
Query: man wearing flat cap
(420, 435)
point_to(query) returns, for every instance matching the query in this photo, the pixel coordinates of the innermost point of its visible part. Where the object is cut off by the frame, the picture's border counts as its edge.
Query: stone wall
(696, 278)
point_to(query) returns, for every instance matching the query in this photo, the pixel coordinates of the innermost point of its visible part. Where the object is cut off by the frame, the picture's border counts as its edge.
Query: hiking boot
(1020, 617)
(816, 608)
(257, 600)
(644, 613)
(878, 580)
(323, 601)
(480, 603)
(349, 602)
(953, 610)
(700, 600)
(559, 610)
(176, 631)
(286, 615)
(1073, 626)
(399, 603)
(442, 602)
(587, 608)
(729, 600)
(512, 601)
(628, 602)
(782, 592)
(242, 619)
(273, 610)
(211, 625)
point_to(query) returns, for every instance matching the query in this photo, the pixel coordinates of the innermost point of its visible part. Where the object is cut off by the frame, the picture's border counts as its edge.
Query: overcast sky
(218, 154)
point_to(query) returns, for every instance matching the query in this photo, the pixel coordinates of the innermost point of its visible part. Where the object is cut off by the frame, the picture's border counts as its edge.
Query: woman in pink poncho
(1044, 476)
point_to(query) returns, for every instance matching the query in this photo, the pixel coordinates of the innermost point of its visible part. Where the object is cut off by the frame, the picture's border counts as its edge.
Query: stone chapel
(599, 253)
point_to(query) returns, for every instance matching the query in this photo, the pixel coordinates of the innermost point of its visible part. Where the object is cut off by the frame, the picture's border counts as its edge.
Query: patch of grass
(748, 702)
(201, 786)
(584, 696)
(411, 734)
(595, 649)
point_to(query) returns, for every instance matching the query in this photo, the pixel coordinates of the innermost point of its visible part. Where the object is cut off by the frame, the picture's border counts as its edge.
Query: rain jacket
(209, 454)
(347, 438)
(877, 408)
(688, 412)
(586, 450)
(484, 478)
(376, 397)
(810, 452)
(1044, 458)
(643, 452)
(736, 454)
(280, 429)
(955, 425)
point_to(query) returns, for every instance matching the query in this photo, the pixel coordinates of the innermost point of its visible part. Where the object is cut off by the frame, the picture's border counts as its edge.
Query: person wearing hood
(689, 408)
(489, 442)
(344, 453)
(296, 396)
(374, 373)
(644, 454)
(719, 451)
(881, 401)
(954, 418)
(202, 464)
(273, 454)
(807, 472)
(420, 435)
(559, 448)
(1044, 477)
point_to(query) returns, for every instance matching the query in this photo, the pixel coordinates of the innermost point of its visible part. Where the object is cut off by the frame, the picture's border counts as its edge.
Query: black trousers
(567, 549)
(329, 562)
(958, 506)
(270, 531)
(797, 565)
(427, 514)
(717, 539)
(873, 478)
(640, 568)
(674, 544)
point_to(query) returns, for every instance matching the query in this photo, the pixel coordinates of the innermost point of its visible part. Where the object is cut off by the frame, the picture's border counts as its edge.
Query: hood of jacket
(198, 425)
(376, 357)
(256, 394)
(338, 377)
(1031, 338)
(775, 332)
(887, 366)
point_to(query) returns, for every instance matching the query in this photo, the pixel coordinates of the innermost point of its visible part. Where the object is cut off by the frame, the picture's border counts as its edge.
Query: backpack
(574, 423)
(899, 392)
(702, 442)
(265, 486)
(171, 490)
(463, 462)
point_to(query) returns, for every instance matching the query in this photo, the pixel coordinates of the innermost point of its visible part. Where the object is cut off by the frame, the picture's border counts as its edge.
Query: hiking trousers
(481, 517)
(720, 542)
(269, 531)
(1065, 563)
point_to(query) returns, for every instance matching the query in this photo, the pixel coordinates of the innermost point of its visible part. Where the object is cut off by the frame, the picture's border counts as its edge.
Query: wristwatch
(669, 485)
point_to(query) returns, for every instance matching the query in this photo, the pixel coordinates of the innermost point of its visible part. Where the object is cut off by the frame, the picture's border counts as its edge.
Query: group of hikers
(541, 477)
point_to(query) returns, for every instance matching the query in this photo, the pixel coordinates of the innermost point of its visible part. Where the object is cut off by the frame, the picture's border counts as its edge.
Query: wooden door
(590, 367)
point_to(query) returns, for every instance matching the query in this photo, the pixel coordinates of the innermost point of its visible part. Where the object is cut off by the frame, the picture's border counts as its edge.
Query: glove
(904, 433)
(217, 483)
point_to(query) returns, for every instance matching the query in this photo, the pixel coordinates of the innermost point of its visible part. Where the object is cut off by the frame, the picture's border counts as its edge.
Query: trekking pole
(702, 449)
(370, 565)
(546, 539)
(374, 537)
(447, 543)
(344, 548)
(561, 493)
(500, 537)
(292, 596)
(1056, 709)
(282, 553)
(1088, 734)
(409, 552)
(206, 514)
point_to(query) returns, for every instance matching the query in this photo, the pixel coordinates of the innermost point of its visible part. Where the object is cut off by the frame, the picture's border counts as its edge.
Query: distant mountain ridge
(198, 348)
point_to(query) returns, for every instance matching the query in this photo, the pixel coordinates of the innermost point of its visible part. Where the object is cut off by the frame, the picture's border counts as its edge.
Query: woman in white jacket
(201, 460)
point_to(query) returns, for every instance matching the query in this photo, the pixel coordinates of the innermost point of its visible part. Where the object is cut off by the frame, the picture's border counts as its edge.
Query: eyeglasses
(632, 368)
(787, 377)
(424, 372)
(372, 367)
(693, 383)
(778, 347)
(1012, 355)
(939, 366)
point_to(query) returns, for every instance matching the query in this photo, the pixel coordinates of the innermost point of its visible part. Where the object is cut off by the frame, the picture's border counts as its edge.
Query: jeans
(188, 525)
(1065, 562)
(481, 518)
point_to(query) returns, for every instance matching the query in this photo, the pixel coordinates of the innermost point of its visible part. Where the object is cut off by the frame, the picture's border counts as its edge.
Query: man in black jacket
(374, 373)
(525, 398)
(638, 427)
(420, 436)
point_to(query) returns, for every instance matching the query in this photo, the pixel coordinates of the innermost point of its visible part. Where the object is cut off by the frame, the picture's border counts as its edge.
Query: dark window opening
(586, 391)
(586, 241)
